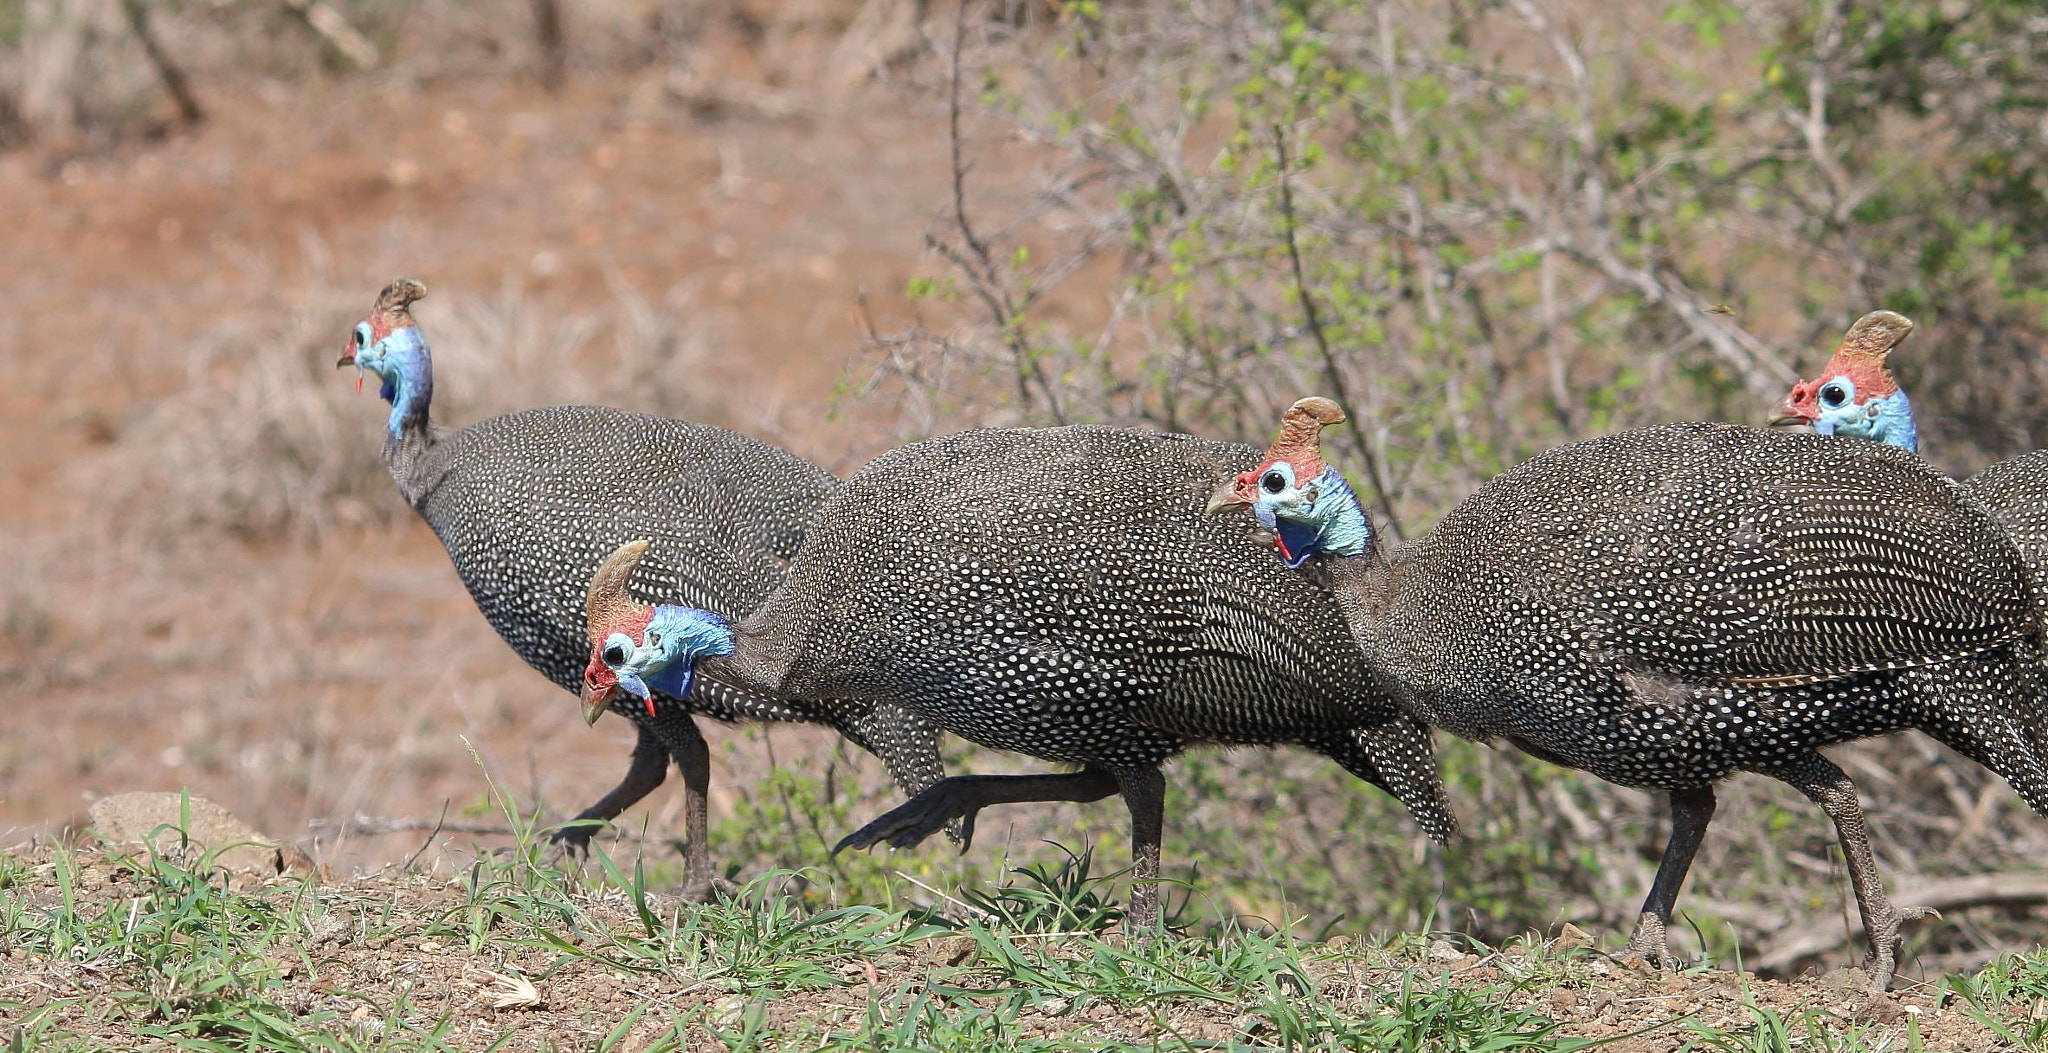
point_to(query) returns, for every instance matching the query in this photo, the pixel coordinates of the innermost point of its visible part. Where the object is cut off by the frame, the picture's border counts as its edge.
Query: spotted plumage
(529, 503)
(1667, 606)
(1869, 403)
(1060, 593)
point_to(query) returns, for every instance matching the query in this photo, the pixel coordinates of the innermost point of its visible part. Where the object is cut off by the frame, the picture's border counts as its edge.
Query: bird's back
(1705, 554)
(2015, 492)
(995, 571)
(529, 503)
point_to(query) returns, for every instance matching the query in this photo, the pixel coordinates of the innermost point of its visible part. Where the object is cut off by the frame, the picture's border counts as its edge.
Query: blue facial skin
(1323, 516)
(402, 362)
(666, 658)
(1887, 420)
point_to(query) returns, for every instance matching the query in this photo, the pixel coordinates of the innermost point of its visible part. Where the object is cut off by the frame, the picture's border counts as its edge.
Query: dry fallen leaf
(512, 991)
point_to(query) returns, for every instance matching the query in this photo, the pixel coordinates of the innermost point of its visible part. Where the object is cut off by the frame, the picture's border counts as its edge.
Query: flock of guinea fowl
(1660, 607)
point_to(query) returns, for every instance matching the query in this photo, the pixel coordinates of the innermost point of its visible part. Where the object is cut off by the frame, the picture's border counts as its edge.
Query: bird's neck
(1363, 585)
(1894, 423)
(713, 646)
(408, 385)
(408, 375)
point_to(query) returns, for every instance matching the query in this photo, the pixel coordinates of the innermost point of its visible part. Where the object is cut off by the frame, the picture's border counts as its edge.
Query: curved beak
(1228, 495)
(1785, 416)
(595, 701)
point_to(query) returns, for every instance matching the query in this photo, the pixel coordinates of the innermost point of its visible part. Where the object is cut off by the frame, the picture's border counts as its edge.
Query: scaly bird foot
(1648, 942)
(1883, 960)
(908, 824)
(705, 889)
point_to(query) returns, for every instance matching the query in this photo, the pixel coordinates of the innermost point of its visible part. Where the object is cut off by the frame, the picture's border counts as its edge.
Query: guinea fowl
(1667, 606)
(1857, 396)
(1055, 592)
(527, 504)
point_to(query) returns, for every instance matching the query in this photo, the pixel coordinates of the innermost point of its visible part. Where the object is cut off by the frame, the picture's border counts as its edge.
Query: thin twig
(334, 29)
(436, 832)
(978, 261)
(189, 111)
(1332, 373)
(367, 824)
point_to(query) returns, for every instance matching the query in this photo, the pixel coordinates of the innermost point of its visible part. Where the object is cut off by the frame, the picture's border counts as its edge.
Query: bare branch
(333, 28)
(189, 112)
(1825, 932)
(1333, 371)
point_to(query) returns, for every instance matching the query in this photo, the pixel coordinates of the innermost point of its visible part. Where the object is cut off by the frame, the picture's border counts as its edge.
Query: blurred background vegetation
(1485, 227)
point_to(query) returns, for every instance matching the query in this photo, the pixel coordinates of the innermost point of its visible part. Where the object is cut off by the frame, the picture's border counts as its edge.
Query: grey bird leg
(1828, 786)
(961, 796)
(1691, 810)
(693, 759)
(649, 768)
(1144, 791)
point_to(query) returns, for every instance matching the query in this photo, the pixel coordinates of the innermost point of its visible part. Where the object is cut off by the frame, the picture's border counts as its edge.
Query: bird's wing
(1792, 579)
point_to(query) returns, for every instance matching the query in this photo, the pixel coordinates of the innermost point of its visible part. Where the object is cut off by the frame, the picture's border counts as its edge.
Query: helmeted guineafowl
(1055, 592)
(1856, 395)
(528, 504)
(1666, 606)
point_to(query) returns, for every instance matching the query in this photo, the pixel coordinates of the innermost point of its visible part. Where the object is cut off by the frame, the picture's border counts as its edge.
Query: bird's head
(1306, 504)
(640, 649)
(1856, 394)
(388, 343)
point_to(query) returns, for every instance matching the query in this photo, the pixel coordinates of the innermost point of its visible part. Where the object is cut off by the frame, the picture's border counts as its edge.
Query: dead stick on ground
(328, 22)
(384, 824)
(1824, 933)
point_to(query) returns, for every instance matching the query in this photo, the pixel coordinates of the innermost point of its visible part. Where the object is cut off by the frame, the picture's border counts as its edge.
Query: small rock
(1442, 951)
(727, 1011)
(1848, 983)
(1571, 938)
(142, 822)
(1564, 999)
(950, 950)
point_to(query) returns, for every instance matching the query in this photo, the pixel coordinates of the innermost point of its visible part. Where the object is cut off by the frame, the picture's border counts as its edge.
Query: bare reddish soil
(295, 679)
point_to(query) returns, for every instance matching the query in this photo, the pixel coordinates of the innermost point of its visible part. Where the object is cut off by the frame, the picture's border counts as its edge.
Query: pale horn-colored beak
(595, 702)
(1786, 417)
(1225, 498)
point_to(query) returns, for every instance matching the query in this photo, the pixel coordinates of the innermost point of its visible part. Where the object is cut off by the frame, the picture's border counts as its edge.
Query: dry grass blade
(511, 991)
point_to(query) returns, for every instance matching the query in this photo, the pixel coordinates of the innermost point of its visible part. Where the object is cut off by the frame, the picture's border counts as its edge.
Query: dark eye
(654, 639)
(362, 338)
(1273, 482)
(614, 655)
(1833, 394)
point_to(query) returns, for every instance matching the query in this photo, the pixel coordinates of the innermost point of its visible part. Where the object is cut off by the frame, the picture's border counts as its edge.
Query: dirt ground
(305, 679)
(383, 944)
(133, 663)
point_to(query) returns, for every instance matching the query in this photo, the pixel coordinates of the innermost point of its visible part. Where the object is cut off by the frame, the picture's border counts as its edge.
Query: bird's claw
(907, 825)
(707, 889)
(1648, 943)
(1882, 961)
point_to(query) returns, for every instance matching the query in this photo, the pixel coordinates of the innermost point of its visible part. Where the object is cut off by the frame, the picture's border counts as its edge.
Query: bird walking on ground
(1667, 606)
(529, 503)
(1054, 592)
(1857, 396)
